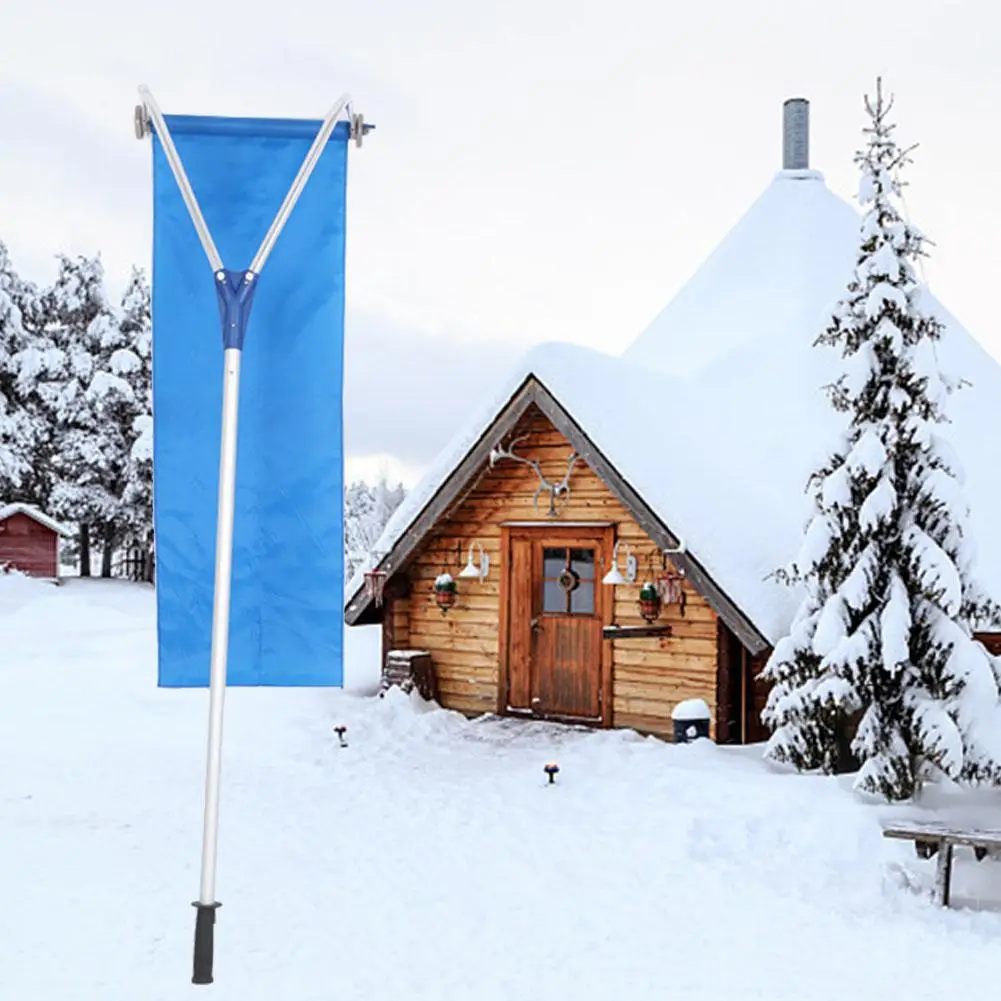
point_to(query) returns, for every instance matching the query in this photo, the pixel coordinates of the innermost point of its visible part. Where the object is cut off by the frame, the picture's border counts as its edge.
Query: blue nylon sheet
(286, 619)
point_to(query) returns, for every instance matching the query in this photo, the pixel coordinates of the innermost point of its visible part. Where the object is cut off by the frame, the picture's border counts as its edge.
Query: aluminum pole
(206, 904)
(267, 244)
(177, 168)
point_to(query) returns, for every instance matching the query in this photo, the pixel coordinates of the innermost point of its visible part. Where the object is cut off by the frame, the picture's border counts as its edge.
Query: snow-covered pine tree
(91, 455)
(366, 512)
(137, 499)
(884, 635)
(13, 460)
(31, 359)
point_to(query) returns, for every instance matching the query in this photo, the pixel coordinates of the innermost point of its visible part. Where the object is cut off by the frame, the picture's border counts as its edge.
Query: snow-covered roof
(729, 376)
(29, 511)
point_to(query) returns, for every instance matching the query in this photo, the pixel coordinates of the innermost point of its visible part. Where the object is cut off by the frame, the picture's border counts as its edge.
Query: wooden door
(556, 611)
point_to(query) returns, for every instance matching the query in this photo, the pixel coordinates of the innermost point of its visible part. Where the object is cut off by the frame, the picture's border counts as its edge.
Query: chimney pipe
(796, 134)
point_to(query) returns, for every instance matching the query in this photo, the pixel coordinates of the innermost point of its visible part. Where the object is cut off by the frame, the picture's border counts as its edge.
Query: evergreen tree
(882, 642)
(366, 513)
(30, 360)
(135, 364)
(82, 394)
(13, 460)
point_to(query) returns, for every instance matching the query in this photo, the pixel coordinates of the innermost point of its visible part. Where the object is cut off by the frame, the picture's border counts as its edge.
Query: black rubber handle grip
(204, 942)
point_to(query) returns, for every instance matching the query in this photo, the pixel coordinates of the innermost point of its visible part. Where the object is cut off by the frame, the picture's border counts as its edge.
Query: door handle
(534, 624)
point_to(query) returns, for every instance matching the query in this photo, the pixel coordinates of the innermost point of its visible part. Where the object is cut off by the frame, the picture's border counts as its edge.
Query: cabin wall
(650, 676)
(28, 546)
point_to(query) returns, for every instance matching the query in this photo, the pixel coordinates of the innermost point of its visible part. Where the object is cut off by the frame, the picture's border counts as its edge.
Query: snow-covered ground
(429, 859)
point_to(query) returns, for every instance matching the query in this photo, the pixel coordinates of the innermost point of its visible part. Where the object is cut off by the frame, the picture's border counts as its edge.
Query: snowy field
(429, 860)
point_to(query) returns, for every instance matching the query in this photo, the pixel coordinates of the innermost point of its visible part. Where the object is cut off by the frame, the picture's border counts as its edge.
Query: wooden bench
(932, 838)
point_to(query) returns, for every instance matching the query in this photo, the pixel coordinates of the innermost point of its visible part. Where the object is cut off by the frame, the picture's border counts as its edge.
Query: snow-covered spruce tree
(134, 363)
(27, 358)
(14, 459)
(366, 512)
(883, 637)
(89, 460)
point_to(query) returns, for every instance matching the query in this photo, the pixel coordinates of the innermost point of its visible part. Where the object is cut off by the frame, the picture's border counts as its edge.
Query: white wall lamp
(615, 576)
(471, 569)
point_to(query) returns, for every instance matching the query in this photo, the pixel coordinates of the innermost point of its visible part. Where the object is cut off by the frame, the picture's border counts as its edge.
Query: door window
(568, 581)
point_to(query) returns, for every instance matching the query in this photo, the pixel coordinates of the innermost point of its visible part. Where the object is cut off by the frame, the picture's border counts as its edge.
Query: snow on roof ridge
(30, 511)
(781, 258)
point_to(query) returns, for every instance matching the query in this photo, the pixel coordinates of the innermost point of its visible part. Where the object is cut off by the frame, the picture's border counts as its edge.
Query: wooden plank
(675, 691)
(457, 642)
(518, 612)
(935, 831)
(463, 659)
(634, 632)
(662, 649)
(648, 709)
(676, 661)
(424, 609)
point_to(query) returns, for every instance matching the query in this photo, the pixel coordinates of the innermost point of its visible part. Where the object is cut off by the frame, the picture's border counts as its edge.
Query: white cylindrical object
(220, 618)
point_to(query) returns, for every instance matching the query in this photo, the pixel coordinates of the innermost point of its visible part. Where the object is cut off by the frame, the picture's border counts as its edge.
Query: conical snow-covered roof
(729, 376)
(776, 274)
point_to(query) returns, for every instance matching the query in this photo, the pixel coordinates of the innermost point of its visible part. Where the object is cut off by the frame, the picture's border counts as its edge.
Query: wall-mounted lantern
(671, 582)
(615, 576)
(649, 601)
(471, 570)
(445, 592)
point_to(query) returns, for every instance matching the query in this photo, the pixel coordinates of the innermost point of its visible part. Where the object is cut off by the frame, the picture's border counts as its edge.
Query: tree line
(76, 407)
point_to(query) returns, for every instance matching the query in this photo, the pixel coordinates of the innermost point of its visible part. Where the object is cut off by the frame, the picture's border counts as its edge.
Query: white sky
(543, 170)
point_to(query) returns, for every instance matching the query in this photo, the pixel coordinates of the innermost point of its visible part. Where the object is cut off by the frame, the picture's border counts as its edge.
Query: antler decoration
(556, 491)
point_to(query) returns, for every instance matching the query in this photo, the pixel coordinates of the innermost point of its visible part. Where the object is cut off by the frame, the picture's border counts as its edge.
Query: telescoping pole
(235, 291)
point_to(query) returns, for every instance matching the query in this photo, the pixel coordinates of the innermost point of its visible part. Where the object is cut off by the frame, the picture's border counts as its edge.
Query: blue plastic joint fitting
(235, 292)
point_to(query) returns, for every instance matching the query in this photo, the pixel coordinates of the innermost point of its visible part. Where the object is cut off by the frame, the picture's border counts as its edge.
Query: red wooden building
(29, 541)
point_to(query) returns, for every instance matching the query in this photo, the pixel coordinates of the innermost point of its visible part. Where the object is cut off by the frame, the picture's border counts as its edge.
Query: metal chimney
(796, 134)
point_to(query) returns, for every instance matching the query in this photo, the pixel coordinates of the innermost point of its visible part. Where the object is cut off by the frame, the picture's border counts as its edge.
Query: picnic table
(932, 838)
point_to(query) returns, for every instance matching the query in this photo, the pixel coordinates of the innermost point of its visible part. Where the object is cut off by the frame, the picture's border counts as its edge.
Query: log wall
(29, 547)
(650, 676)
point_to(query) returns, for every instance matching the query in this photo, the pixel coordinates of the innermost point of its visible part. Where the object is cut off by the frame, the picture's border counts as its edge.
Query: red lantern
(649, 602)
(444, 592)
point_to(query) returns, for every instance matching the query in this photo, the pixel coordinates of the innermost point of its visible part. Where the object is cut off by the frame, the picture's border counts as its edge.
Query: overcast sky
(542, 169)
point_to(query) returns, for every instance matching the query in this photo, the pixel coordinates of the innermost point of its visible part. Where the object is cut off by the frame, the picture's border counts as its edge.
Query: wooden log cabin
(536, 637)
(700, 437)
